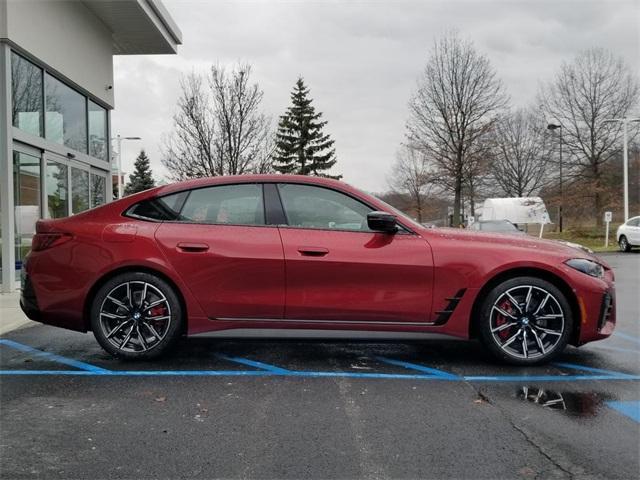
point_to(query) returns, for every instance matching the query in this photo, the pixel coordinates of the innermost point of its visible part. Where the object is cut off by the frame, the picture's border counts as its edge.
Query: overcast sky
(361, 60)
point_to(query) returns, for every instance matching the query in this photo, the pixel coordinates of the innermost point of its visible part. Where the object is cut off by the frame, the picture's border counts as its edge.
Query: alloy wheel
(527, 322)
(135, 316)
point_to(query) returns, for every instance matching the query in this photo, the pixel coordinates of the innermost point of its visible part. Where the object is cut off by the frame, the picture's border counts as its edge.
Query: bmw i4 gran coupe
(293, 252)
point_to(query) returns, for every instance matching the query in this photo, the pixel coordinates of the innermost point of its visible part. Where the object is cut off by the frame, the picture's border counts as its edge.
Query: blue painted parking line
(584, 368)
(253, 363)
(630, 409)
(626, 336)
(50, 356)
(267, 370)
(420, 368)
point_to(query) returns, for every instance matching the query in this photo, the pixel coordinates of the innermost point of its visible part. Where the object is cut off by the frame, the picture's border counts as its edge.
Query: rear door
(339, 271)
(226, 254)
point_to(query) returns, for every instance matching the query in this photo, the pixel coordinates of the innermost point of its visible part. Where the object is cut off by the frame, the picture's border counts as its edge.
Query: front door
(340, 271)
(226, 255)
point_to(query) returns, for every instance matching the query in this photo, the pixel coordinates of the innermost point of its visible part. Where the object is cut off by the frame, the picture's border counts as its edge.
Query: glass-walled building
(56, 75)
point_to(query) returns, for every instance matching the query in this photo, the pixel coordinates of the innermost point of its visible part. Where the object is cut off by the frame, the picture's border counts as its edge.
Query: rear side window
(225, 204)
(165, 208)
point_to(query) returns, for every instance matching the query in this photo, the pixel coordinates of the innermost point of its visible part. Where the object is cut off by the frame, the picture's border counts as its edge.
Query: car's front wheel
(525, 321)
(136, 315)
(623, 243)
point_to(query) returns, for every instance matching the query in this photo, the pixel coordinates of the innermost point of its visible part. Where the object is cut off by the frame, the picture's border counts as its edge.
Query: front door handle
(188, 247)
(313, 251)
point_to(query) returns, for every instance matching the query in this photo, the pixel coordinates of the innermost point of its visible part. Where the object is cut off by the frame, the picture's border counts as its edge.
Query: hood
(552, 247)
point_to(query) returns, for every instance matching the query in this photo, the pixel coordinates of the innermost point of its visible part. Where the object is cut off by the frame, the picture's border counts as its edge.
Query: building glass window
(26, 92)
(66, 115)
(26, 193)
(79, 190)
(57, 189)
(98, 189)
(97, 131)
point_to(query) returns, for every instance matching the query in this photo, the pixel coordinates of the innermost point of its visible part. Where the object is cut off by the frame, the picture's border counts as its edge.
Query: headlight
(586, 266)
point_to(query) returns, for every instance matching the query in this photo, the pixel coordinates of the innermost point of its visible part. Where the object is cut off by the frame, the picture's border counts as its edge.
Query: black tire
(623, 243)
(533, 346)
(142, 305)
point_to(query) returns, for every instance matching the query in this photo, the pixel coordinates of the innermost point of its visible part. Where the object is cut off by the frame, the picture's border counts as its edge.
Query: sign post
(607, 220)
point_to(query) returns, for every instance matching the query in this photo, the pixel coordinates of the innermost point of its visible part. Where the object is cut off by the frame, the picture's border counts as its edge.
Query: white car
(628, 234)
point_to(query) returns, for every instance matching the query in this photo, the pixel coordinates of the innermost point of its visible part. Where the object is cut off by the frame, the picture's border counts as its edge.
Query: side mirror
(382, 222)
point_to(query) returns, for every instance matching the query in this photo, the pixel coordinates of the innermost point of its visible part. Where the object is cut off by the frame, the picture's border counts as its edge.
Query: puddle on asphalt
(574, 404)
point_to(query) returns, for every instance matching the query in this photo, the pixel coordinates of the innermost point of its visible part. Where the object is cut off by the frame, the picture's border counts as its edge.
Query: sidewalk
(11, 316)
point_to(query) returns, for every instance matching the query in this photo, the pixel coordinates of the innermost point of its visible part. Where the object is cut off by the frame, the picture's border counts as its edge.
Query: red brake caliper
(501, 319)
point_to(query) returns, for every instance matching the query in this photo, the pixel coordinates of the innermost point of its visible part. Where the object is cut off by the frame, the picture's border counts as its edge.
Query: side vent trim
(443, 315)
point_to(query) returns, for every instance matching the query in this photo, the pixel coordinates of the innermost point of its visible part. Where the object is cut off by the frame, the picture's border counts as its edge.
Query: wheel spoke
(155, 304)
(118, 302)
(548, 331)
(143, 342)
(527, 302)
(127, 338)
(550, 316)
(112, 316)
(117, 329)
(514, 302)
(144, 295)
(504, 313)
(538, 341)
(504, 326)
(152, 330)
(542, 304)
(512, 339)
(129, 295)
(159, 317)
(525, 350)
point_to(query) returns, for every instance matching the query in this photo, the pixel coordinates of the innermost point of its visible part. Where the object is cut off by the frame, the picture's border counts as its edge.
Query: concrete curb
(11, 316)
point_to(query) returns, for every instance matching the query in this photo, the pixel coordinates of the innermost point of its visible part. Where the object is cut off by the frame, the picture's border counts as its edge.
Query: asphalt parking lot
(322, 408)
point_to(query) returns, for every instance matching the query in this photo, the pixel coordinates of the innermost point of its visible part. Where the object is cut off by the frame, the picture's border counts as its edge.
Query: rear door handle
(187, 247)
(313, 251)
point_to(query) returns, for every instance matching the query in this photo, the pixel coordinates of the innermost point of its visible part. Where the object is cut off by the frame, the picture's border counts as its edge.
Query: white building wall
(67, 37)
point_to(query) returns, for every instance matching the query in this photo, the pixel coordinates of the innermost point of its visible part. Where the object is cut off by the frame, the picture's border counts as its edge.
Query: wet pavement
(318, 408)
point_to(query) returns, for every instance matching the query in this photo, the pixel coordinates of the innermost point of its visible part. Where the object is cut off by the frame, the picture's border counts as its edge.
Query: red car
(275, 251)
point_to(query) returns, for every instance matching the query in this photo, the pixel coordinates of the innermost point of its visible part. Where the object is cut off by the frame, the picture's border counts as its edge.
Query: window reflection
(66, 115)
(26, 195)
(97, 131)
(98, 188)
(79, 190)
(57, 189)
(26, 92)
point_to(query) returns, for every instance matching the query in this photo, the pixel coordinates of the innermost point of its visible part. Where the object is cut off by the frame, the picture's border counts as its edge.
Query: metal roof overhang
(138, 27)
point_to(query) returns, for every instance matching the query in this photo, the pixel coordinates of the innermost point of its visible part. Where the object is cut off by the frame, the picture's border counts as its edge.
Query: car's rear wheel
(623, 243)
(136, 315)
(525, 321)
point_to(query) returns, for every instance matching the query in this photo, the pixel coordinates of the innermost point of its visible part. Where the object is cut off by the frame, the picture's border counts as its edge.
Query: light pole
(554, 126)
(119, 139)
(625, 160)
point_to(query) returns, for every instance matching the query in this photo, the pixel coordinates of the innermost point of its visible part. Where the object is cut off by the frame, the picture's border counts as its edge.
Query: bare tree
(218, 127)
(412, 175)
(520, 157)
(594, 87)
(452, 109)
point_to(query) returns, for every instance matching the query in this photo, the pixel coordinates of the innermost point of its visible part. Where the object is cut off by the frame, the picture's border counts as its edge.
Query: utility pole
(553, 126)
(625, 159)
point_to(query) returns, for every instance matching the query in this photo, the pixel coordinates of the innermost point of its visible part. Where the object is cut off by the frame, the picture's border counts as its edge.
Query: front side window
(26, 92)
(225, 204)
(634, 222)
(66, 115)
(307, 206)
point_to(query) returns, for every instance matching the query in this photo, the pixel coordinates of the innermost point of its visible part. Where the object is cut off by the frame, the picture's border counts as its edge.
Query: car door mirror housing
(382, 222)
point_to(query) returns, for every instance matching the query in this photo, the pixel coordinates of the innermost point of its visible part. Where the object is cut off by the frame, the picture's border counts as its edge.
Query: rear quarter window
(159, 209)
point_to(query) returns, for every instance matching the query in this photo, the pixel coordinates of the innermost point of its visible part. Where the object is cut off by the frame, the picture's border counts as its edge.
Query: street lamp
(119, 139)
(625, 160)
(553, 126)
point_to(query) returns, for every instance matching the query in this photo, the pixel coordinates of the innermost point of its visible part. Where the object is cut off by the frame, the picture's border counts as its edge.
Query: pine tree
(301, 146)
(141, 178)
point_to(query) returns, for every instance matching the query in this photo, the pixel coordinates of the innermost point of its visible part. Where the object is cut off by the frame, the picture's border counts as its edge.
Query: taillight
(42, 241)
